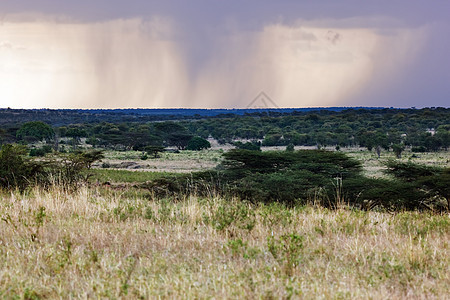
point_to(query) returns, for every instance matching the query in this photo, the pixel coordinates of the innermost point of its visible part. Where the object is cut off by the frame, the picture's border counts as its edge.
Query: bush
(233, 214)
(40, 151)
(318, 161)
(287, 251)
(419, 149)
(37, 152)
(168, 186)
(18, 171)
(434, 182)
(69, 168)
(368, 193)
(253, 146)
(153, 150)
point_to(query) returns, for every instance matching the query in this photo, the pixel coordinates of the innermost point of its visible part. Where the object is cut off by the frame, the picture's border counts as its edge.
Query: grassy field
(99, 243)
(183, 162)
(189, 161)
(124, 176)
(373, 166)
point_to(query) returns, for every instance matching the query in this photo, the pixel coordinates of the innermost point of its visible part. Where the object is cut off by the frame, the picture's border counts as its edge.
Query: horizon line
(235, 108)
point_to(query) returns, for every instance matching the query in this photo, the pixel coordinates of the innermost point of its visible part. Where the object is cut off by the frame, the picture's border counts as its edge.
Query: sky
(222, 54)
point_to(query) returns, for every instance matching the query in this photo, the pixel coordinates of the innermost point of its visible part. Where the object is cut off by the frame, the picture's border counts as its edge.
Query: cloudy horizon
(147, 54)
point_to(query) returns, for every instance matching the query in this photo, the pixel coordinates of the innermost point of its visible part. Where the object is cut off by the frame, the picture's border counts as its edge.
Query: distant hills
(60, 117)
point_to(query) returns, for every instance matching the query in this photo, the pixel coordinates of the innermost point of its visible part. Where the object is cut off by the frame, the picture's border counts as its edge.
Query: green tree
(179, 139)
(198, 143)
(173, 134)
(36, 129)
(443, 133)
(284, 176)
(154, 150)
(76, 133)
(6, 137)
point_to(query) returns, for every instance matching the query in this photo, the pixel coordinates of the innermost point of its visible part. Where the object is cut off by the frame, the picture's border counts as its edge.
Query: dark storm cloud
(208, 12)
(212, 35)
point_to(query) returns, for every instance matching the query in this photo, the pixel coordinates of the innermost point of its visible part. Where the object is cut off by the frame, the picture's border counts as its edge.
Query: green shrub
(275, 213)
(168, 186)
(69, 169)
(237, 214)
(434, 182)
(19, 171)
(16, 171)
(290, 148)
(253, 146)
(153, 150)
(369, 193)
(40, 151)
(287, 251)
(409, 171)
(398, 149)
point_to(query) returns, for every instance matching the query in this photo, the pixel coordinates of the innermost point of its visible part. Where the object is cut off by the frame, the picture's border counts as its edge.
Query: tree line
(422, 130)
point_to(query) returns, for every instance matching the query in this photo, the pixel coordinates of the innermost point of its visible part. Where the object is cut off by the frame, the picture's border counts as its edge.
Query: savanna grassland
(121, 242)
(189, 161)
(99, 243)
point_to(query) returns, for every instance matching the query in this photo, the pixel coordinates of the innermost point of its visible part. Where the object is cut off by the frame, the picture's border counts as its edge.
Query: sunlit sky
(221, 54)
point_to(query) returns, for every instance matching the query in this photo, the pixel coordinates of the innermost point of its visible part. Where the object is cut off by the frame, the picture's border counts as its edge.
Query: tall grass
(98, 243)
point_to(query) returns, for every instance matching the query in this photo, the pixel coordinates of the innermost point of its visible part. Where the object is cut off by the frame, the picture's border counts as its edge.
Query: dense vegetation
(422, 129)
(426, 129)
(289, 176)
(62, 117)
(329, 179)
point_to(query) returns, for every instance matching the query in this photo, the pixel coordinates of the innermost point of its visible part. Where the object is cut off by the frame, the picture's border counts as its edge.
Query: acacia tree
(173, 134)
(197, 143)
(76, 133)
(434, 181)
(154, 150)
(179, 139)
(36, 129)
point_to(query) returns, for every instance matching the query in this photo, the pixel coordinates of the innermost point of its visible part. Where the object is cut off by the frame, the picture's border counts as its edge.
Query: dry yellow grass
(374, 166)
(102, 244)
